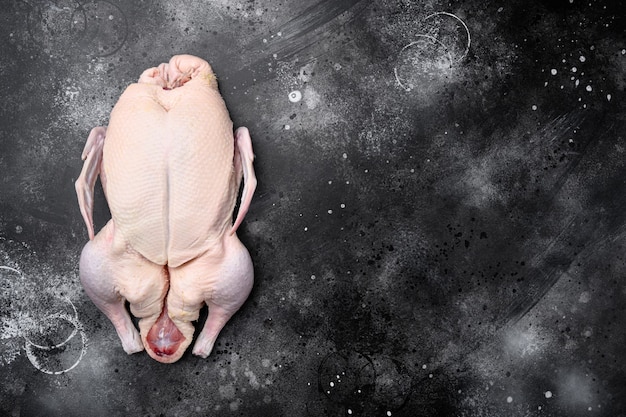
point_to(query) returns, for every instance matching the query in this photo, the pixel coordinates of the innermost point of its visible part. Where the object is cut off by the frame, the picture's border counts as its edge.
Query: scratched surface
(438, 229)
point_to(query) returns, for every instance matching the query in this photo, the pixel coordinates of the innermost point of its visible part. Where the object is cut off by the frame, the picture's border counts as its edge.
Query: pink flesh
(164, 337)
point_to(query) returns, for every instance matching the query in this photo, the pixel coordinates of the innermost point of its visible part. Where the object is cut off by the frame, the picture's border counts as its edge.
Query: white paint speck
(509, 400)
(389, 413)
(534, 107)
(548, 394)
(608, 97)
(287, 127)
(342, 205)
(582, 58)
(295, 96)
(332, 384)
(344, 156)
(589, 88)
(330, 212)
(553, 71)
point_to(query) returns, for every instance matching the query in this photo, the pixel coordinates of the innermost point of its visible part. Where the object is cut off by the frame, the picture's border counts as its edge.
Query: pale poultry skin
(170, 167)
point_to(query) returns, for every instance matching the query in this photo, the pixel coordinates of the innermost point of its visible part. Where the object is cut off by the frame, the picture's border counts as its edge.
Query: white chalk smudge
(24, 323)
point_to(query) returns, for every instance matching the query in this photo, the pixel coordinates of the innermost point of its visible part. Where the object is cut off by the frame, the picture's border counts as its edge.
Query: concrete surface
(438, 229)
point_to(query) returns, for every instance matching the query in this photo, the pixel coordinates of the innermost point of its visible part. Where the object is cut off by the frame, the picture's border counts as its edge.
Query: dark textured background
(437, 230)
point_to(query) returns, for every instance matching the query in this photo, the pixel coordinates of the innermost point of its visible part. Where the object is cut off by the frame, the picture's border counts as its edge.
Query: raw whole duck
(171, 167)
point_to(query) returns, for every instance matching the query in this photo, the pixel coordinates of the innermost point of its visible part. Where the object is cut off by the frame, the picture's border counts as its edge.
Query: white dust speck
(342, 205)
(287, 127)
(589, 88)
(330, 212)
(295, 96)
(582, 58)
(312, 276)
(349, 411)
(553, 71)
(534, 107)
(344, 156)
(389, 413)
(574, 69)
(509, 400)
(608, 97)
(548, 394)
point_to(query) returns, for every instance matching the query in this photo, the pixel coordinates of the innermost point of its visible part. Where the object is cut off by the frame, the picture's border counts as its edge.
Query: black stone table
(438, 228)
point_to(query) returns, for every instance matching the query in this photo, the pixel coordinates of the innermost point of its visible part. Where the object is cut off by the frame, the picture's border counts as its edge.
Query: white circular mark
(421, 58)
(582, 58)
(548, 394)
(78, 328)
(469, 36)
(509, 400)
(608, 97)
(553, 71)
(295, 96)
(589, 88)
(287, 127)
(534, 107)
(8, 268)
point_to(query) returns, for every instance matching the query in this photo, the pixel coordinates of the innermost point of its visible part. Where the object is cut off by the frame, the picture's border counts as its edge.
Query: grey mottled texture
(438, 230)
